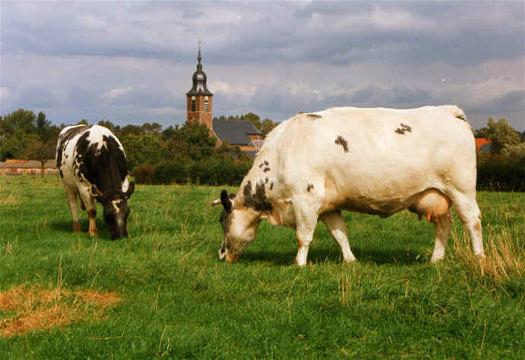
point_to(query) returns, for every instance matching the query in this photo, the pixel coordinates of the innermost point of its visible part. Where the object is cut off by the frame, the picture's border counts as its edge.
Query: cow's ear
(97, 194)
(131, 189)
(225, 201)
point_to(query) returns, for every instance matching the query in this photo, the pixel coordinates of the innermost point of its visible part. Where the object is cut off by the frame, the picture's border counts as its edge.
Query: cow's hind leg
(467, 208)
(339, 230)
(91, 209)
(442, 228)
(72, 202)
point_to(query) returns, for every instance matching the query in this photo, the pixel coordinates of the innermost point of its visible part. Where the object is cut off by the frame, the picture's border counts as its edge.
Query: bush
(171, 172)
(144, 174)
(213, 171)
(500, 173)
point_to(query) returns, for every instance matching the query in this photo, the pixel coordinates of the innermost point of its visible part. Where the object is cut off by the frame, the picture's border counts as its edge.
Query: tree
(264, 126)
(192, 140)
(40, 151)
(267, 125)
(151, 128)
(143, 149)
(16, 130)
(115, 129)
(501, 134)
(21, 121)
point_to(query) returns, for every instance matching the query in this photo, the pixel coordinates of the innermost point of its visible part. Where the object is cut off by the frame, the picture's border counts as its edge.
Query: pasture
(163, 293)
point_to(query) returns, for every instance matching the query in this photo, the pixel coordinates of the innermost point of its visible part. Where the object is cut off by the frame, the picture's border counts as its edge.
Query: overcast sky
(132, 61)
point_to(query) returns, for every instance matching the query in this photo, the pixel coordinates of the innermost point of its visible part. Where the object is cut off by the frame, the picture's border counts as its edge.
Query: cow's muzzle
(222, 252)
(225, 255)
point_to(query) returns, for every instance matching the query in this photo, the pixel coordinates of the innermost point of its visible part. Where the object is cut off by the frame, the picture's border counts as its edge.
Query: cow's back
(86, 153)
(371, 155)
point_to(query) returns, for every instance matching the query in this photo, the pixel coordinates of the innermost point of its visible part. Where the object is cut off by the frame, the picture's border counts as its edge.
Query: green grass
(179, 301)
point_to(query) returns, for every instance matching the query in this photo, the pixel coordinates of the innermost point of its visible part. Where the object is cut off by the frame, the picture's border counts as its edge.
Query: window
(193, 104)
(206, 103)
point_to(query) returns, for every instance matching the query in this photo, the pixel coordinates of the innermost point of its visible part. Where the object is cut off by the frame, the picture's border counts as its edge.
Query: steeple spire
(199, 78)
(199, 56)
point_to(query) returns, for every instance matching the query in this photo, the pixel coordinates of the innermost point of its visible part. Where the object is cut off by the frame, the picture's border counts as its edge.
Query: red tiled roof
(481, 141)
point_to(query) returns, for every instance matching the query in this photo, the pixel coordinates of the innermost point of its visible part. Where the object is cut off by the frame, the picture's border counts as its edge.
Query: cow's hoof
(76, 227)
(300, 263)
(436, 259)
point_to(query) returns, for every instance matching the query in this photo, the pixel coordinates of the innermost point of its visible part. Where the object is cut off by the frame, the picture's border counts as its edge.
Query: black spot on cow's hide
(271, 185)
(264, 163)
(313, 116)
(266, 169)
(258, 200)
(309, 187)
(341, 141)
(404, 128)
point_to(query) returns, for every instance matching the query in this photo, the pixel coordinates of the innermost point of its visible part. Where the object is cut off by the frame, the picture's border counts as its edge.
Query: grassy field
(163, 293)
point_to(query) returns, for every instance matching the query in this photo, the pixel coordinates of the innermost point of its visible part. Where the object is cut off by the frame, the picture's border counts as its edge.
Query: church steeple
(199, 79)
(199, 98)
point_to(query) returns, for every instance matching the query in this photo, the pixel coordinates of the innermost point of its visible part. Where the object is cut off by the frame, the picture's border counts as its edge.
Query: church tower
(199, 98)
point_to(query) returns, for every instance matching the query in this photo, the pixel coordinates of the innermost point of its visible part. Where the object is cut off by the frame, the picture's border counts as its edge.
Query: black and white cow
(92, 164)
(376, 161)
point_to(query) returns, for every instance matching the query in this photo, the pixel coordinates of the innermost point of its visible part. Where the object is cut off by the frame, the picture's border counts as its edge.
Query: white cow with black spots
(92, 164)
(377, 161)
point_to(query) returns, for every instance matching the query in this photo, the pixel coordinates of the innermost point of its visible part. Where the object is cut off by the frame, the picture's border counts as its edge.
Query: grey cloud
(512, 101)
(282, 35)
(373, 96)
(345, 50)
(149, 98)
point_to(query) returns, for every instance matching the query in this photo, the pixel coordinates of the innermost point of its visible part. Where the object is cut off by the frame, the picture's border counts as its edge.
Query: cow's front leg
(91, 209)
(336, 224)
(306, 220)
(92, 218)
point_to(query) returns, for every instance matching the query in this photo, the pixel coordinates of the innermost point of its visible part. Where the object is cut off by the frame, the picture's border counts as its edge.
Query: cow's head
(116, 210)
(239, 224)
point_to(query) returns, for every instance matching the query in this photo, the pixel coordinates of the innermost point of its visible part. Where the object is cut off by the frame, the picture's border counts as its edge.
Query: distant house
(483, 145)
(199, 106)
(241, 133)
(27, 167)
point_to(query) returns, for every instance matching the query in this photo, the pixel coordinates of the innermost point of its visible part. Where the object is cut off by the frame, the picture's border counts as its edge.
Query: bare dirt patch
(29, 309)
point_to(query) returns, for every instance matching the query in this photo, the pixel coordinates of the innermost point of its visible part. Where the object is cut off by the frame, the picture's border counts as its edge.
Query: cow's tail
(459, 113)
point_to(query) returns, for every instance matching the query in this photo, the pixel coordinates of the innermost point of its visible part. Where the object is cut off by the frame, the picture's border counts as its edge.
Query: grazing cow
(92, 164)
(376, 161)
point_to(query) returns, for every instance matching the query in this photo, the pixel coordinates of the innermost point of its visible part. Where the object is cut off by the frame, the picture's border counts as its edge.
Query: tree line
(188, 153)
